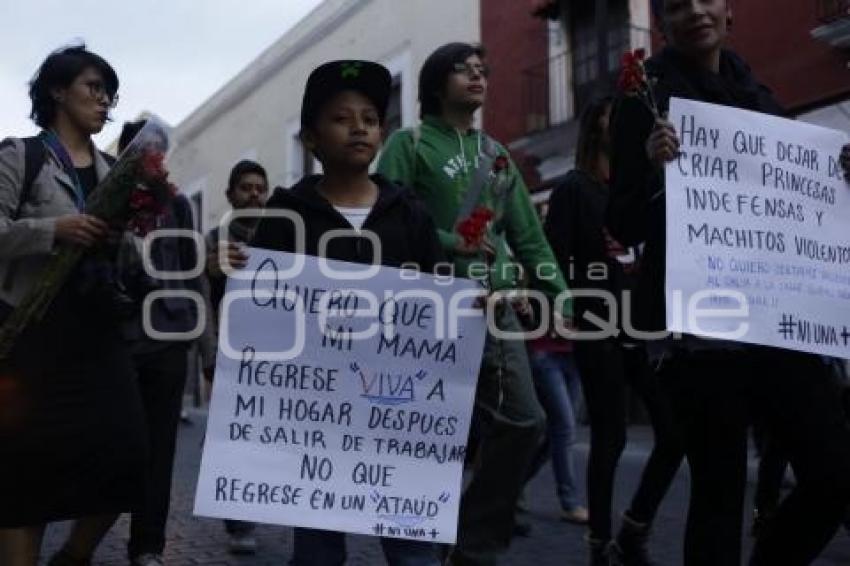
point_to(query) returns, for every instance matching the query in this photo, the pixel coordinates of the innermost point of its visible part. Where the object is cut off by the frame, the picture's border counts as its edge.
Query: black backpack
(34, 155)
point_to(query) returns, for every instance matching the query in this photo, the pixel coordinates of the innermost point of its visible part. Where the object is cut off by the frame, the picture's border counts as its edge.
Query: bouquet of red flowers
(633, 80)
(133, 196)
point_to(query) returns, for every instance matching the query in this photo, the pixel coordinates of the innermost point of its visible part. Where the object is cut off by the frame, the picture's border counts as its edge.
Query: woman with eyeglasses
(71, 442)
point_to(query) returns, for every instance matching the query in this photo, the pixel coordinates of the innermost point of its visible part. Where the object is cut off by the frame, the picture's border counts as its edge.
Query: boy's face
(466, 86)
(696, 26)
(347, 132)
(251, 191)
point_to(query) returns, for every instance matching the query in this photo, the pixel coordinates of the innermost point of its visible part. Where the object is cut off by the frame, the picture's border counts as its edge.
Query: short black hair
(58, 71)
(436, 70)
(128, 132)
(245, 167)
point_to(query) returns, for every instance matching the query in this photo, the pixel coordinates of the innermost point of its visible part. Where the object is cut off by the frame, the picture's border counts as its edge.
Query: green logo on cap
(350, 70)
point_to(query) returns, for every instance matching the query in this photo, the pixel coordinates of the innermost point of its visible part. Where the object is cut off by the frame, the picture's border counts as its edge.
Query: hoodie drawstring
(463, 151)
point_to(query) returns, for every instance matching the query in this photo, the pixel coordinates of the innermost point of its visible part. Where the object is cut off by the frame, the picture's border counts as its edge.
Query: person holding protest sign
(247, 188)
(71, 420)
(716, 385)
(459, 171)
(342, 118)
(575, 226)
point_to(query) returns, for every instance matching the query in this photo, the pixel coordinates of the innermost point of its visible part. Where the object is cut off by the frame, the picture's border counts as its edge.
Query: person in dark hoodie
(716, 386)
(342, 118)
(575, 226)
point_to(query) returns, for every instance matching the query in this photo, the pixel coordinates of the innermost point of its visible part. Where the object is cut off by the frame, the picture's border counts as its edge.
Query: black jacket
(636, 211)
(403, 226)
(575, 227)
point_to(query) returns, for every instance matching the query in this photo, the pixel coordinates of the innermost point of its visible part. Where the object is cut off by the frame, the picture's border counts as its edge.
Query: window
(197, 202)
(195, 193)
(585, 48)
(295, 161)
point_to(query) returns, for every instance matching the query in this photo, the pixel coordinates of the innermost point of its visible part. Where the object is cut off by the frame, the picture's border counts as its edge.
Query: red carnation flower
(633, 80)
(473, 228)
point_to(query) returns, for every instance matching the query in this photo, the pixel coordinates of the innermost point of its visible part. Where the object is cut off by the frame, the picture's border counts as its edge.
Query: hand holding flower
(662, 146)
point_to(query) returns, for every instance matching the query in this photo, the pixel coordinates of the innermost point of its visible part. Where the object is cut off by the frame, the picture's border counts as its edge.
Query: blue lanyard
(51, 140)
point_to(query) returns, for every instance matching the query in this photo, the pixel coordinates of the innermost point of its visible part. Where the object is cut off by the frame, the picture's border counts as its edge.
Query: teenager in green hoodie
(440, 160)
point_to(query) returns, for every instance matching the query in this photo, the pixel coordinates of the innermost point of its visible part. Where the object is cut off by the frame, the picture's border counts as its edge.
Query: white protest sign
(758, 230)
(362, 426)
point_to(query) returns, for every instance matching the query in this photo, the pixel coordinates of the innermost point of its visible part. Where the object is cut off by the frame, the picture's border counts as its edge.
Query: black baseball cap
(371, 79)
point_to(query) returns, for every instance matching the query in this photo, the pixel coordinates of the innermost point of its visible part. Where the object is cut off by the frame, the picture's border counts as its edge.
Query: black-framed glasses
(98, 91)
(471, 70)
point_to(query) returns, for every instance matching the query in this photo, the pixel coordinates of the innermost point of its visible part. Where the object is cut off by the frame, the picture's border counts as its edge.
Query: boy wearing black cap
(342, 116)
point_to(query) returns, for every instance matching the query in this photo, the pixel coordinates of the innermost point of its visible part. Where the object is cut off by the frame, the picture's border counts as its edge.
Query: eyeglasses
(471, 70)
(98, 91)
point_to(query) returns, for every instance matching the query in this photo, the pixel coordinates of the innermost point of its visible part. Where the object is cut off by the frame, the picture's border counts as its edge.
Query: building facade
(546, 69)
(546, 64)
(256, 114)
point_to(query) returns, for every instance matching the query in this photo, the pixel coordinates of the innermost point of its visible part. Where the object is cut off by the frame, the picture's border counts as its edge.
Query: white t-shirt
(355, 216)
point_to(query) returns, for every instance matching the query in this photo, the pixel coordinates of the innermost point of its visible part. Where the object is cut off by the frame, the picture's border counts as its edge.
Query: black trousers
(716, 395)
(606, 368)
(161, 377)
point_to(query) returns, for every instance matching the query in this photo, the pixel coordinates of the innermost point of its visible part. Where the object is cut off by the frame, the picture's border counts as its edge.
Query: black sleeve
(274, 233)
(562, 223)
(634, 180)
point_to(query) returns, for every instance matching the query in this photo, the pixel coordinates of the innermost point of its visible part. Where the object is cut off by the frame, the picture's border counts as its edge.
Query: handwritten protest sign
(341, 404)
(758, 230)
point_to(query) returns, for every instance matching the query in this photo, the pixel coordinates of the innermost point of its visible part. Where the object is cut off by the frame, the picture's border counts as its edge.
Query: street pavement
(195, 540)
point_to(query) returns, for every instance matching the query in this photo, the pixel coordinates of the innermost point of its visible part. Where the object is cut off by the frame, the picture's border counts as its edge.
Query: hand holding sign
(361, 425)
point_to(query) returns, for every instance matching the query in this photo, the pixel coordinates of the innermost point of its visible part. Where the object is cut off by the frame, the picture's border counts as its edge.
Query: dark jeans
(161, 378)
(606, 367)
(313, 547)
(511, 425)
(716, 395)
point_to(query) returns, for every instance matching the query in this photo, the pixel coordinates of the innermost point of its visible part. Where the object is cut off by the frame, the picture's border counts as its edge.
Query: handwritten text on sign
(362, 426)
(758, 230)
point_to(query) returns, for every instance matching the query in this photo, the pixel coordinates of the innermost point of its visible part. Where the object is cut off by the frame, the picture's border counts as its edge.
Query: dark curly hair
(59, 70)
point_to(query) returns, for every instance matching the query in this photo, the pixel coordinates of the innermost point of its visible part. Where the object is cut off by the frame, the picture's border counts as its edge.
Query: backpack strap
(34, 156)
(416, 134)
(480, 178)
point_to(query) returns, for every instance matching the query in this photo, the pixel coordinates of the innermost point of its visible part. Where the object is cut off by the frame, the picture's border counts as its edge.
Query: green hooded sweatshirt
(439, 162)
